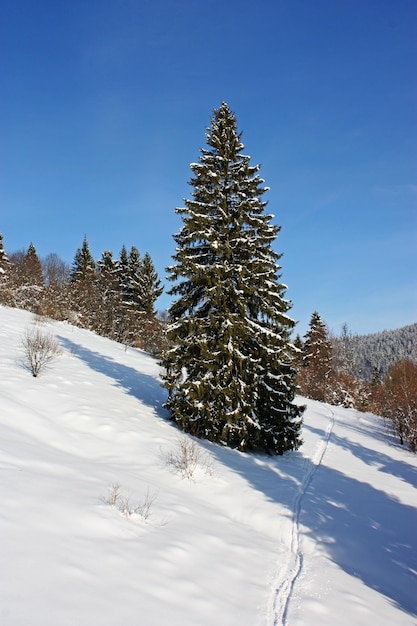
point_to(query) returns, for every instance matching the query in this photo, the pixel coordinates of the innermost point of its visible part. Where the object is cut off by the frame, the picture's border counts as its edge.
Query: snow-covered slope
(324, 536)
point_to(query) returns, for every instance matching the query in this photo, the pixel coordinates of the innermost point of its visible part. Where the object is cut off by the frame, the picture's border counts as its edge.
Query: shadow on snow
(368, 533)
(143, 387)
(383, 462)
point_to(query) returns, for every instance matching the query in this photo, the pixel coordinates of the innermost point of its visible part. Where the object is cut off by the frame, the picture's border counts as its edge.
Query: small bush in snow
(126, 507)
(187, 456)
(113, 495)
(143, 508)
(39, 348)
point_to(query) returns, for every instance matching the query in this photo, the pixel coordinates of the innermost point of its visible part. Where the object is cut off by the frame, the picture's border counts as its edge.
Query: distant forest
(373, 355)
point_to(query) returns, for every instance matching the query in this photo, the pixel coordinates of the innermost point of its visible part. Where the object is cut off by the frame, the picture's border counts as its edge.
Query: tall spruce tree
(32, 267)
(150, 285)
(134, 286)
(229, 370)
(84, 292)
(152, 331)
(109, 296)
(316, 369)
(84, 265)
(123, 273)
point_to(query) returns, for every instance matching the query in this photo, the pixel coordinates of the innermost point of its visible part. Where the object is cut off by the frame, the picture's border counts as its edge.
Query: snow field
(321, 536)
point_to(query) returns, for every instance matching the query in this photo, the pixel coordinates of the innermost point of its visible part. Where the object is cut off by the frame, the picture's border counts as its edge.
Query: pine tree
(84, 289)
(152, 330)
(110, 302)
(4, 261)
(107, 266)
(150, 286)
(5, 267)
(139, 282)
(32, 267)
(316, 371)
(229, 370)
(125, 328)
(134, 285)
(84, 265)
(123, 272)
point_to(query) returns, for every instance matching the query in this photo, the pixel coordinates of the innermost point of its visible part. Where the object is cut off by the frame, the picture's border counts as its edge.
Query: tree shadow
(383, 462)
(381, 428)
(141, 386)
(366, 532)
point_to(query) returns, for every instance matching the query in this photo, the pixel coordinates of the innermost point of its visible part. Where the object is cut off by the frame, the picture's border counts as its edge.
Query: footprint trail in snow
(290, 570)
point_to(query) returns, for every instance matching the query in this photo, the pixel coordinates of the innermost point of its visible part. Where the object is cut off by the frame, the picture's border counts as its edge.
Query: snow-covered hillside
(323, 536)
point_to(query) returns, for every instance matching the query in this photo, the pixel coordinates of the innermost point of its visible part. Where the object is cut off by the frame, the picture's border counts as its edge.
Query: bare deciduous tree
(397, 400)
(40, 348)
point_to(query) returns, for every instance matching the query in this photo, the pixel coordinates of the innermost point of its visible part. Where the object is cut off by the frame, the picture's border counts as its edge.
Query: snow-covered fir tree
(108, 317)
(32, 267)
(134, 282)
(139, 287)
(4, 261)
(150, 285)
(5, 267)
(84, 265)
(129, 272)
(84, 292)
(107, 266)
(139, 282)
(151, 332)
(123, 272)
(229, 370)
(316, 366)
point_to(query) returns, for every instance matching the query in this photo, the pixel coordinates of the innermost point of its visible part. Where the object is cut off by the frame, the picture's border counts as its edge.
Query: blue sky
(104, 104)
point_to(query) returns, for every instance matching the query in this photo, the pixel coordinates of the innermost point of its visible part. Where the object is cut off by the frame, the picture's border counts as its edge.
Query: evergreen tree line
(114, 297)
(328, 372)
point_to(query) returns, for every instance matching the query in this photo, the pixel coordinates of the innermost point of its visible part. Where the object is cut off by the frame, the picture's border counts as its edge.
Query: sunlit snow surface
(323, 536)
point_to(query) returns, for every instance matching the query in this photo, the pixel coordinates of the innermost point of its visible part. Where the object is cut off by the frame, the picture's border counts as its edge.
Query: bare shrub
(126, 507)
(143, 508)
(113, 494)
(40, 348)
(187, 456)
